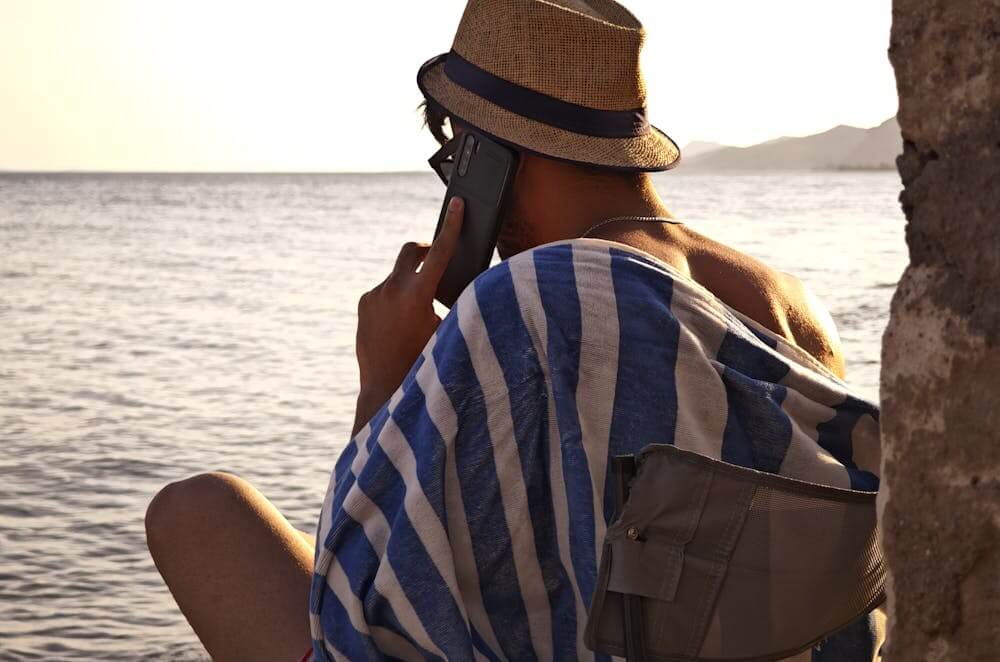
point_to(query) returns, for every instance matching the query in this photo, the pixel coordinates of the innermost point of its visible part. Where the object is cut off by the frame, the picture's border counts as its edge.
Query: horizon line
(64, 171)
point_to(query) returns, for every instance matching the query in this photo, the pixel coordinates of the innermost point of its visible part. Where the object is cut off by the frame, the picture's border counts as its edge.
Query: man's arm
(811, 325)
(774, 299)
(397, 318)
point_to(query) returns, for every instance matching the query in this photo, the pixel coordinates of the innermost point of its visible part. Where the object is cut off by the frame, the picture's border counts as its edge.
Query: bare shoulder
(812, 325)
(779, 301)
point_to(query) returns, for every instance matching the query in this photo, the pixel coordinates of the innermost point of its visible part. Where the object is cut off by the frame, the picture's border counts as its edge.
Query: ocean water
(152, 327)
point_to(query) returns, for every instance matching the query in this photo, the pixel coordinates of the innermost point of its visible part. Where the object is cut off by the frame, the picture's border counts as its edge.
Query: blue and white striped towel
(465, 521)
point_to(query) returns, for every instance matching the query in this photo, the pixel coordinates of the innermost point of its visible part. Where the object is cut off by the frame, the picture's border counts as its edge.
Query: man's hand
(397, 318)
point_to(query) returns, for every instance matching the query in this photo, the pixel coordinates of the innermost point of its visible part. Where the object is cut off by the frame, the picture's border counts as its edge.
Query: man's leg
(238, 570)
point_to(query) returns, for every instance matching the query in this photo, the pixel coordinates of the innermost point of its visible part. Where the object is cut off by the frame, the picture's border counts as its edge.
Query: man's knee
(178, 509)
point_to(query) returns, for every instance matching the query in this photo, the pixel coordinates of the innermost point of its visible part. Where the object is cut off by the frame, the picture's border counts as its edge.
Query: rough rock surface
(940, 502)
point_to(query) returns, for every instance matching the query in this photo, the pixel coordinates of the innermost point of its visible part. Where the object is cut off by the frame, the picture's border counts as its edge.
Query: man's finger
(409, 258)
(443, 247)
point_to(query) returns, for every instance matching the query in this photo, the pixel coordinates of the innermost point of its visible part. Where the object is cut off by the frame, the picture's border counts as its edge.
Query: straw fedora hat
(558, 78)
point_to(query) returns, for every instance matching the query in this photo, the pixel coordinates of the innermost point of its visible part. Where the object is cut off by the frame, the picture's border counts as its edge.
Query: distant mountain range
(699, 147)
(840, 148)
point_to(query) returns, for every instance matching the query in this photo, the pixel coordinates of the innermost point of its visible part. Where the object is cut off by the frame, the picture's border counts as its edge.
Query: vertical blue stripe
(758, 431)
(649, 334)
(645, 408)
(347, 479)
(526, 387)
(343, 483)
(360, 564)
(743, 355)
(835, 436)
(319, 652)
(343, 465)
(422, 585)
(561, 302)
(377, 423)
(429, 451)
(480, 487)
(483, 647)
(337, 627)
(411, 376)
(379, 612)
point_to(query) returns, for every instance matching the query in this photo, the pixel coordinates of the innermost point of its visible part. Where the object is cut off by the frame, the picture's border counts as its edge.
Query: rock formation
(940, 501)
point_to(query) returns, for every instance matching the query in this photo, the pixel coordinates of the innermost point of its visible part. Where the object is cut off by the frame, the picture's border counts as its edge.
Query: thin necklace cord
(640, 219)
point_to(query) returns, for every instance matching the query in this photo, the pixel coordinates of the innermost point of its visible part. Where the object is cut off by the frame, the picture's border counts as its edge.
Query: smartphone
(482, 175)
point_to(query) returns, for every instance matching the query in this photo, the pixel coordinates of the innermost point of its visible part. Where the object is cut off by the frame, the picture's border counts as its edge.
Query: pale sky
(297, 85)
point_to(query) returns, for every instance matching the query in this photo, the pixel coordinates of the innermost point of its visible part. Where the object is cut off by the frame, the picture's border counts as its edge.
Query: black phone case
(484, 186)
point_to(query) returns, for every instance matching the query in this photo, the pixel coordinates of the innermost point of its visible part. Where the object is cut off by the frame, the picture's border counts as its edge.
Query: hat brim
(651, 152)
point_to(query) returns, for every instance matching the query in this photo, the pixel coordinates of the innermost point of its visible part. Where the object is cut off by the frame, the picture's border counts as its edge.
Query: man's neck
(578, 210)
(583, 207)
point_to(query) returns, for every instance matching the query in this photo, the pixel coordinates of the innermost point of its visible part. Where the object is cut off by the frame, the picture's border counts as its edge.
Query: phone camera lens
(466, 157)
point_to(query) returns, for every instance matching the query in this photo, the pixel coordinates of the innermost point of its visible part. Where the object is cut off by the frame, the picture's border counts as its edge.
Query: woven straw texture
(584, 52)
(559, 52)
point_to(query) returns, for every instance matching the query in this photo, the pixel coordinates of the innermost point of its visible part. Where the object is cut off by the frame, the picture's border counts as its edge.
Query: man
(466, 518)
